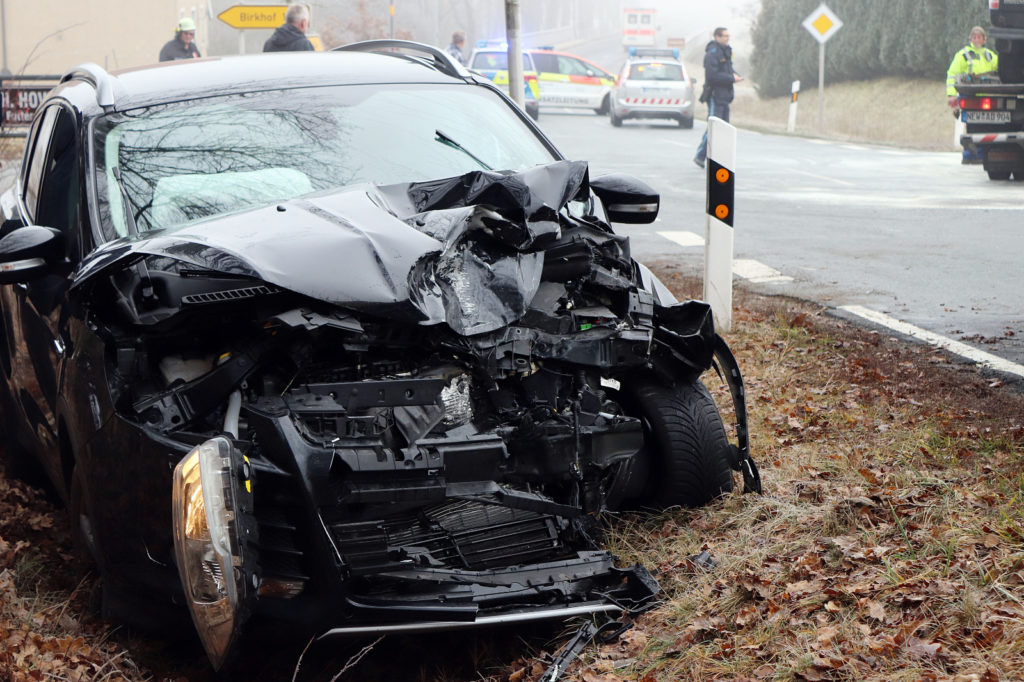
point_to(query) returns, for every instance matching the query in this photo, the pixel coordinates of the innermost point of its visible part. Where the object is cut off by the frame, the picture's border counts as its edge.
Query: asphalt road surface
(913, 235)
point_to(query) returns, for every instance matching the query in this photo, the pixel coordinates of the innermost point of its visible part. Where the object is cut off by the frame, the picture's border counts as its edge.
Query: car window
(545, 63)
(656, 71)
(490, 61)
(175, 164)
(571, 66)
(40, 142)
(497, 61)
(59, 194)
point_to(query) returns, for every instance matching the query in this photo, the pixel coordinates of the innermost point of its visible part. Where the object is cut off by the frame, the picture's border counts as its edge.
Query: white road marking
(962, 349)
(683, 238)
(757, 272)
(823, 177)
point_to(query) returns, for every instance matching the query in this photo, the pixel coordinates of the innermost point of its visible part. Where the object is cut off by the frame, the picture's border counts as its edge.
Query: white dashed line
(757, 272)
(962, 349)
(683, 238)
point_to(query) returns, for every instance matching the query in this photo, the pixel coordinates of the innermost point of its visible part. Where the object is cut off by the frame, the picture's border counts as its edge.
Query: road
(914, 235)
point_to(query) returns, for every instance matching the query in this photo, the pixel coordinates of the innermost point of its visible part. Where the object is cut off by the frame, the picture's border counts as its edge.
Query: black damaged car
(340, 339)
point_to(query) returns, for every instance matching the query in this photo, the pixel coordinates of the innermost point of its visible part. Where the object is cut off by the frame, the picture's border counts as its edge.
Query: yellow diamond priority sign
(822, 23)
(254, 16)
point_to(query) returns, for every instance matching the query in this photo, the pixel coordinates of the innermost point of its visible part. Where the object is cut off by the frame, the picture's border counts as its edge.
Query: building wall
(50, 36)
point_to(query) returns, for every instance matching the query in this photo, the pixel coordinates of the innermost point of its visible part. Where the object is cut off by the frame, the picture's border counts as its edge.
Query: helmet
(186, 24)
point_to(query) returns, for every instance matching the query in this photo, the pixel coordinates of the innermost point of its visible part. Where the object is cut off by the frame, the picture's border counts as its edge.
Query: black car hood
(466, 251)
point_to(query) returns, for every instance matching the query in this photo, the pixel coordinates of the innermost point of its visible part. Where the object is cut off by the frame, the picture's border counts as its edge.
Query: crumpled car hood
(466, 251)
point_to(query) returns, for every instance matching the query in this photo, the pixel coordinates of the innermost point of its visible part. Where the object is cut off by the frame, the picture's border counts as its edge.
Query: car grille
(465, 534)
(229, 295)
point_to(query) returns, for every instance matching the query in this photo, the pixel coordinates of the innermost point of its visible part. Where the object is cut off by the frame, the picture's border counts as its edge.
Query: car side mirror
(29, 252)
(626, 199)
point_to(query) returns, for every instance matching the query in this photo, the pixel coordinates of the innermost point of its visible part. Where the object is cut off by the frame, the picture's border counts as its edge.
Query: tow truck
(993, 108)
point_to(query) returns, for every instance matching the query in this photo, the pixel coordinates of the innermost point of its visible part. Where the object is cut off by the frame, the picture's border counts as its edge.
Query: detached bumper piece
(444, 599)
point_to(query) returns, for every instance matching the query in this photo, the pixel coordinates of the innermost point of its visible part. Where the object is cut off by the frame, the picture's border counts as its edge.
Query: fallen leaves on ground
(889, 543)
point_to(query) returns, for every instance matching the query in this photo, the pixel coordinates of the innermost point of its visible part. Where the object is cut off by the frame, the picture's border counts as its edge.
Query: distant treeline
(913, 38)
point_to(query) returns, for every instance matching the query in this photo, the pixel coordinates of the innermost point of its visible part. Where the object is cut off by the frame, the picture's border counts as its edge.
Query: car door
(552, 84)
(49, 196)
(586, 84)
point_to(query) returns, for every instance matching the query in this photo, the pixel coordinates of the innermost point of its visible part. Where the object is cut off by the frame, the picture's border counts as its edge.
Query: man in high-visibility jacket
(974, 59)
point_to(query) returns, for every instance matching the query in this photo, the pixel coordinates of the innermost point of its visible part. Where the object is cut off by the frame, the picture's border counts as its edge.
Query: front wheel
(685, 445)
(603, 109)
(616, 120)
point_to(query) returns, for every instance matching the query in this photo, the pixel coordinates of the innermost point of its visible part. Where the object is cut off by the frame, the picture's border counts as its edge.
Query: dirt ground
(888, 544)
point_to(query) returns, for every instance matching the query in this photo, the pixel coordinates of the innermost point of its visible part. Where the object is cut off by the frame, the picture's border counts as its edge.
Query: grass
(888, 545)
(909, 113)
(888, 537)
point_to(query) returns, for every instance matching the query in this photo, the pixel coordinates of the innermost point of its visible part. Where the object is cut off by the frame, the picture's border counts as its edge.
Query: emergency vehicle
(570, 81)
(490, 60)
(994, 111)
(638, 28)
(653, 84)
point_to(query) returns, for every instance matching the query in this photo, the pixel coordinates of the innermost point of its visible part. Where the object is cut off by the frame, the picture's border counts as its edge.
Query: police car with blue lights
(653, 83)
(490, 60)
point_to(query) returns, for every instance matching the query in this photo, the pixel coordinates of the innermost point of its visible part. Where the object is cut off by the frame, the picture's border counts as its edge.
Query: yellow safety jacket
(972, 60)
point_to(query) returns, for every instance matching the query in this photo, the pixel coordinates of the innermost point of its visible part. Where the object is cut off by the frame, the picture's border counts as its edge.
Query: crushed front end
(437, 458)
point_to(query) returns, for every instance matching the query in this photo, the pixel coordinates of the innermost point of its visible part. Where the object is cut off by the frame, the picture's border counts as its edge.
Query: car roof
(197, 78)
(654, 60)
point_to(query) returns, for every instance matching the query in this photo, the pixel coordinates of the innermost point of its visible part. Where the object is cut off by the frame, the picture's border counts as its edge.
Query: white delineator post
(791, 125)
(718, 234)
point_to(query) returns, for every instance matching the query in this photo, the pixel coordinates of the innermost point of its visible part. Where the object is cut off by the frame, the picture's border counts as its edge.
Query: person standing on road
(719, 78)
(291, 35)
(181, 46)
(455, 48)
(973, 60)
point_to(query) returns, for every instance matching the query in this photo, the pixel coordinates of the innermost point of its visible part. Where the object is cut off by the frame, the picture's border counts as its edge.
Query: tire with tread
(605, 106)
(616, 120)
(686, 443)
(999, 175)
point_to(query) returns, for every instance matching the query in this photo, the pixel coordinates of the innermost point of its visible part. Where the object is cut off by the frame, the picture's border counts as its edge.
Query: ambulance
(638, 28)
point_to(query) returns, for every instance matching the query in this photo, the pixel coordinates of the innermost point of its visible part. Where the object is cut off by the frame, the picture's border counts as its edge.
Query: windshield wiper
(445, 139)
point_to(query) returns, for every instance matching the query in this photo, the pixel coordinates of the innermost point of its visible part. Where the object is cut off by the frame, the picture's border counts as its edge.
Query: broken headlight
(211, 507)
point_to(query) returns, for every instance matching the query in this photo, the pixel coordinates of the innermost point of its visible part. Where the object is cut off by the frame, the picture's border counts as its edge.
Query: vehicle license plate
(988, 116)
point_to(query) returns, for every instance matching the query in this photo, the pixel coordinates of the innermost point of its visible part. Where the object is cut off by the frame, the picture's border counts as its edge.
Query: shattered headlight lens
(455, 397)
(206, 543)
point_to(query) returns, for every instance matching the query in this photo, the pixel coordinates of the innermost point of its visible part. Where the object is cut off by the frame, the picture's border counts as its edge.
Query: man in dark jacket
(182, 45)
(291, 36)
(719, 78)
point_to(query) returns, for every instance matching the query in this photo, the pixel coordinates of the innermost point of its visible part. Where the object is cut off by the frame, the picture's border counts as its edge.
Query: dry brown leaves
(42, 636)
(889, 543)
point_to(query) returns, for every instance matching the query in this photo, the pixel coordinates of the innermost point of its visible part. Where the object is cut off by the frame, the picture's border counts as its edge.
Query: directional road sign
(253, 16)
(822, 23)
